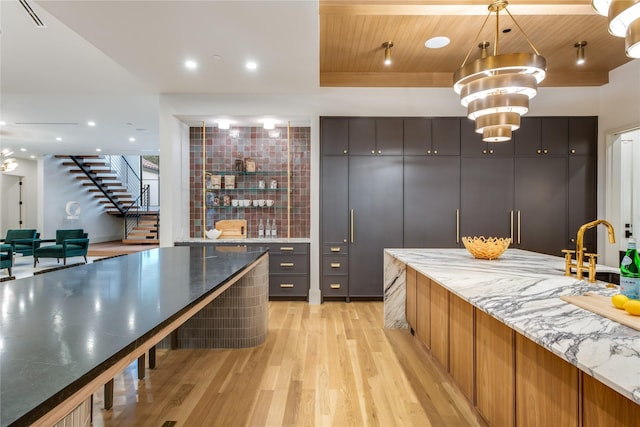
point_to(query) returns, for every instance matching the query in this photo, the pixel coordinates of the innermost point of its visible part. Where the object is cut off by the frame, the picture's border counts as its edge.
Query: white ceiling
(108, 61)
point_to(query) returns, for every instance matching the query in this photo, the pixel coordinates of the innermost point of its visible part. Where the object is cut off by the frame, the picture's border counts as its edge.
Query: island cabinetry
(440, 324)
(546, 387)
(461, 344)
(423, 310)
(602, 406)
(412, 295)
(495, 370)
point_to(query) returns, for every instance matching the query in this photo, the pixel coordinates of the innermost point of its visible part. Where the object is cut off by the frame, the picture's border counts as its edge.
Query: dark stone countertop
(61, 329)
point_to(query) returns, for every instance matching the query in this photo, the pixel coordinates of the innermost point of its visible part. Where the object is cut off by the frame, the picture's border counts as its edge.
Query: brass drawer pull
(286, 285)
(286, 264)
(335, 265)
(286, 248)
(335, 286)
(335, 249)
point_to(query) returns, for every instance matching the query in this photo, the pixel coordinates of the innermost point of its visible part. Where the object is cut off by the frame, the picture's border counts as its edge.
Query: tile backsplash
(268, 150)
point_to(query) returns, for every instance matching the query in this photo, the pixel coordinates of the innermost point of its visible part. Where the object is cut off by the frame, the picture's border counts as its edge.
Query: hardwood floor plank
(327, 365)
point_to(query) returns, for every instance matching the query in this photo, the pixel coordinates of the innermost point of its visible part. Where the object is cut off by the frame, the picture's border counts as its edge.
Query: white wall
(61, 187)
(9, 216)
(619, 111)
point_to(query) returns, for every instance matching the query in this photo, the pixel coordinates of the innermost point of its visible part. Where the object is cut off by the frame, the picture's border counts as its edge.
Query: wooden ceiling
(352, 33)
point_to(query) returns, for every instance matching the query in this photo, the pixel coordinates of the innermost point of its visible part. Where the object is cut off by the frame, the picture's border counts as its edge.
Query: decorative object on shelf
(239, 165)
(250, 165)
(486, 247)
(214, 233)
(216, 182)
(229, 181)
(226, 200)
(496, 89)
(624, 21)
(274, 184)
(261, 184)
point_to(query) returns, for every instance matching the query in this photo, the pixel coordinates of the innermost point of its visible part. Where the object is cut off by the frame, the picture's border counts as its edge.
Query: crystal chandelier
(496, 89)
(624, 21)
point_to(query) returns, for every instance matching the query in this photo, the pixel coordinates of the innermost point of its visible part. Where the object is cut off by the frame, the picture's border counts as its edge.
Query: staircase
(117, 187)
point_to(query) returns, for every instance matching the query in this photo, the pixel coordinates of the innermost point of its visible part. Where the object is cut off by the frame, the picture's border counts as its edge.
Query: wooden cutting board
(232, 228)
(601, 305)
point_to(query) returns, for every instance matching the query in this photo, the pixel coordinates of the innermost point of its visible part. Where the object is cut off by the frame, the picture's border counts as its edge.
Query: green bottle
(630, 272)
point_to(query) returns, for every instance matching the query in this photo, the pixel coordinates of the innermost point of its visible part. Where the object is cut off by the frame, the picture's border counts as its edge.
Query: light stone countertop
(522, 290)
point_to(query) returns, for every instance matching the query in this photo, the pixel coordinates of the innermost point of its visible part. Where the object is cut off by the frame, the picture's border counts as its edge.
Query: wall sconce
(580, 52)
(387, 52)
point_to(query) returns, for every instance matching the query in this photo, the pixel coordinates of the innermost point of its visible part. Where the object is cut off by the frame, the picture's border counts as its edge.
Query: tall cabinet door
(541, 204)
(375, 203)
(486, 192)
(335, 202)
(431, 199)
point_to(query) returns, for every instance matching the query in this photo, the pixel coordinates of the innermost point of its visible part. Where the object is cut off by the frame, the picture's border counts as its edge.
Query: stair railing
(79, 161)
(135, 210)
(127, 175)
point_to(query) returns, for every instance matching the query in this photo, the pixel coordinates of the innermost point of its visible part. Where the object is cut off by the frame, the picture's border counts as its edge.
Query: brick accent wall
(269, 152)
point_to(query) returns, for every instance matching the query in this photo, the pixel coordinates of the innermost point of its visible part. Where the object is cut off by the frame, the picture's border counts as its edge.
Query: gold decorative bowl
(486, 247)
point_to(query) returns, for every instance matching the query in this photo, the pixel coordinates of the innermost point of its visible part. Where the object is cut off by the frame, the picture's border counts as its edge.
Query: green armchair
(6, 258)
(68, 243)
(21, 241)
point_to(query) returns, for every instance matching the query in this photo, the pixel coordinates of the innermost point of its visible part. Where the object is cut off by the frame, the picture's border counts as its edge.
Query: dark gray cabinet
(431, 201)
(447, 183)
(375, 210)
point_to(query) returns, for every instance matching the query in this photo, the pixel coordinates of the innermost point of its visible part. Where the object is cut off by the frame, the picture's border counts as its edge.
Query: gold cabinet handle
(519, 227)
(335, 265)
(286, 248)
(511, 215)
(286, 285)
(286, 264)
(373, 151)
(435, 151)
(457, 225)
(428, 151)
(336, 249)
(352, 226)
(335, 286)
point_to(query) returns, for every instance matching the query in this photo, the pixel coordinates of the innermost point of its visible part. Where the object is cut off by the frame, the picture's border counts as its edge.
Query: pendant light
(624, 21)
(496, 89)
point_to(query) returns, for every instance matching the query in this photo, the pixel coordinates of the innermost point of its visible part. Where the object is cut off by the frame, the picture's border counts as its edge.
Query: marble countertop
(247, 240)
(522, 290)
(61, 329)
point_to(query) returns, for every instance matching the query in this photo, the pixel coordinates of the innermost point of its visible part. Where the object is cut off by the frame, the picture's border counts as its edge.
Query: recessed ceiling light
(98, 149)
(251, 65)
(190, 64)
(58, 138)
(437, 42)
(132, 139)
(32, 156)
(23, 149)
(91, 123)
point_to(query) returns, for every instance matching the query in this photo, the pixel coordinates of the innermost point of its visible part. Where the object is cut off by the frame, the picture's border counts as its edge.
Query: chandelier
(624, 21)
(7, 164)
(496, 89)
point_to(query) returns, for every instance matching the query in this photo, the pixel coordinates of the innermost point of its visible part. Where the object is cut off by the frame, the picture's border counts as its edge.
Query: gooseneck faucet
(580, 251)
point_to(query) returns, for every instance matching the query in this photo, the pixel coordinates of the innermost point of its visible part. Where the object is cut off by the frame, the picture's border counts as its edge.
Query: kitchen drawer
(335, 264)
(288, 285)
(335, 249)
(288, 248)
(288, 264)
(335, 286)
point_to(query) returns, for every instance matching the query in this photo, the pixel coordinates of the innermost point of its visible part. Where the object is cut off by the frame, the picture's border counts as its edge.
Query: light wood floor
(326, 365)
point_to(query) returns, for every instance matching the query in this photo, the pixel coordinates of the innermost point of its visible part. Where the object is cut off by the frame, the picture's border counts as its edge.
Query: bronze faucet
(591, 268)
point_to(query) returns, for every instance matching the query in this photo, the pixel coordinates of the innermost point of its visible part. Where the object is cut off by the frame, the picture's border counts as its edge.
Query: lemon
(618, 300)
(632, 307)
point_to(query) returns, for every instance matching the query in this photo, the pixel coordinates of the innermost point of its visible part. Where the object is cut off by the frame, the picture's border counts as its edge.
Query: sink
(609, 277)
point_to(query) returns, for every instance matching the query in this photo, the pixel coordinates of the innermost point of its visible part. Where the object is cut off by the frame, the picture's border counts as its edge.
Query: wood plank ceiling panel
(351, 37)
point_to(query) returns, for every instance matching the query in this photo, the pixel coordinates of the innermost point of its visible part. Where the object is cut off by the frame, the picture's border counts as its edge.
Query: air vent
(49, 123)
(32, 14)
